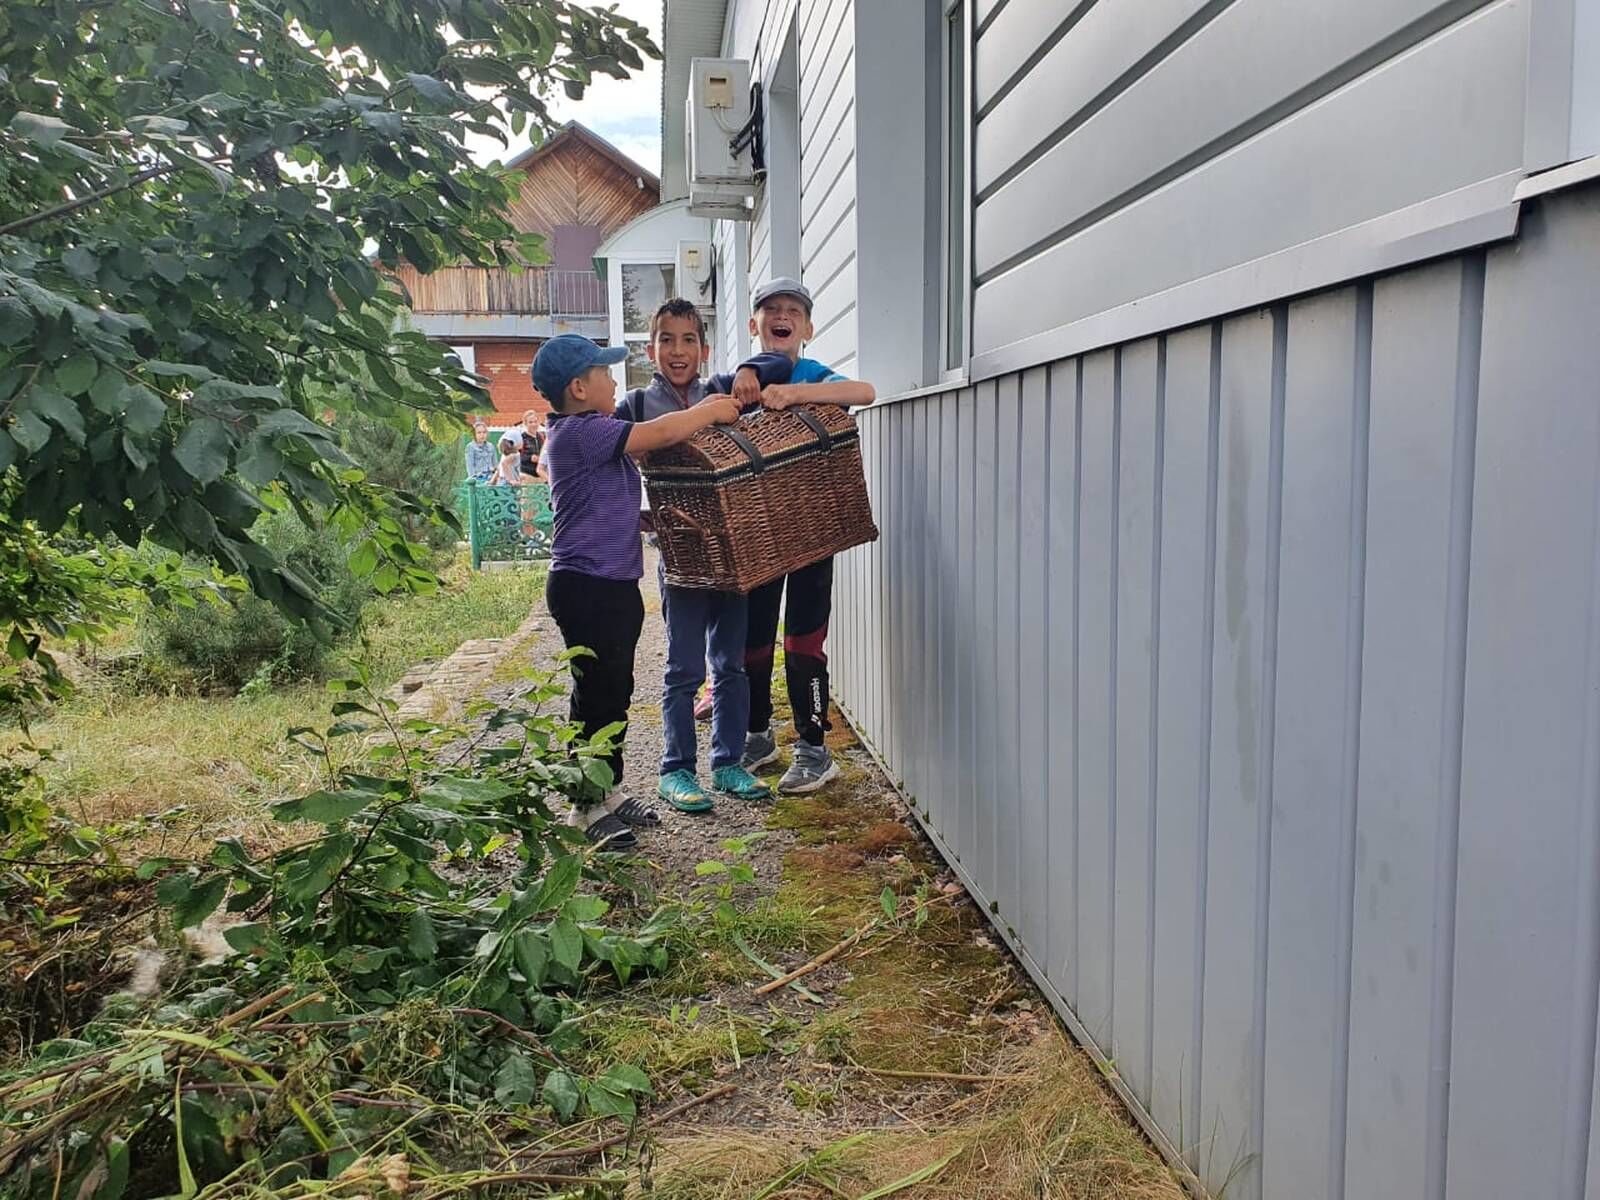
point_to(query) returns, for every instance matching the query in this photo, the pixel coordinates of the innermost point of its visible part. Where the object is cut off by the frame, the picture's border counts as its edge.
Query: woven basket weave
(738, 506)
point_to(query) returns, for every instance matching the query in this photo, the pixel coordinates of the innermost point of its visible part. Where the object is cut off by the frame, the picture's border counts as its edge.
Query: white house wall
(827, 166)
(1248, 675)
(1214, 133)
(1245, 664)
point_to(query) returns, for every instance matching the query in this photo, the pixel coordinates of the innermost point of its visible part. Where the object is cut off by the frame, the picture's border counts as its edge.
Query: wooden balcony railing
(534, 291)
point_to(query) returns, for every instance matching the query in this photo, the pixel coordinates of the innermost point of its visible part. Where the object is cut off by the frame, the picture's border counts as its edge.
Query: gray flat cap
(781, 286)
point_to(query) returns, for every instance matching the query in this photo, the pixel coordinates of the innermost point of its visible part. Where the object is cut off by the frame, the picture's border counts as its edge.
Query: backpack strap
(636, 405)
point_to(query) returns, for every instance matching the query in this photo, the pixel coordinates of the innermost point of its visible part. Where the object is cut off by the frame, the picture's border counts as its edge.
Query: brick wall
(510, 387)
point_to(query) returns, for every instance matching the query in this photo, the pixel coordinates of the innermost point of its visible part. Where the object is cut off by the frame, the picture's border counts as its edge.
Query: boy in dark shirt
(782, 321)
(596, 558)
(704, 627)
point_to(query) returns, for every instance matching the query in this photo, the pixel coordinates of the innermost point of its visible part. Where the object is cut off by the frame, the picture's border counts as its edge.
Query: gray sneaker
(812, 767)
(760, 750)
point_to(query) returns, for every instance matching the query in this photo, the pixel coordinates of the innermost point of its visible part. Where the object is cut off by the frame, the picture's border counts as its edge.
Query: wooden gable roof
(576, 177)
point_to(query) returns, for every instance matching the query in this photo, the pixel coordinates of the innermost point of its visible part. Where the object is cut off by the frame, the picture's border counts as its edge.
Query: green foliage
(188, 195)
(391, 992)
(78, 592)
(730, 873)
(241, 640)
(397, 453)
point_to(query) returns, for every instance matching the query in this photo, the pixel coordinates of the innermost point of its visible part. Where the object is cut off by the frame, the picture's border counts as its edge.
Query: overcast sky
(627, 113)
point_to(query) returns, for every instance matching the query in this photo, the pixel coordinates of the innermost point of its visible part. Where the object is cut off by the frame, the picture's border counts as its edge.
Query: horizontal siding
(827, 161)
(1104, 46)
(730, 337)
(1021, 31)
(1366, 150)
(1287, 43)
(827, 176)
(1289, 623)
(1212, 134)
(760, 235)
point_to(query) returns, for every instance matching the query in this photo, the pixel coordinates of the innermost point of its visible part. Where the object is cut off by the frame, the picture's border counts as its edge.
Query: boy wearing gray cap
(596, 558)
(782, 320)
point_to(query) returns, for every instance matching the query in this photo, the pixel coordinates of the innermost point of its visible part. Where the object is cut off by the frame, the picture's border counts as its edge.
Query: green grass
(470, 604)
(121, 755)
(688, 1039)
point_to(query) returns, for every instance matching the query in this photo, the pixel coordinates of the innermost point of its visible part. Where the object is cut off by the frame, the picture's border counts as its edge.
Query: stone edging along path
(438, 690)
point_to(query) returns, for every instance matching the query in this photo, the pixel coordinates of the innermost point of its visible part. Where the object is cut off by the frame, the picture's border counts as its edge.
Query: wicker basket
(738, 506)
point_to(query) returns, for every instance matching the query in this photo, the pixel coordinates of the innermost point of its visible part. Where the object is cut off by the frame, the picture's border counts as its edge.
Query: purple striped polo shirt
(595, 491)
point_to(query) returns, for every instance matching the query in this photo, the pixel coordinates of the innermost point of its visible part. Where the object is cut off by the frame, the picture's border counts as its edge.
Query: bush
(243, 641)
(401, 456)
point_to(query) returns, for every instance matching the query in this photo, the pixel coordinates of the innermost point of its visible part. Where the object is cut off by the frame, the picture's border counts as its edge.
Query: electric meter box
(696, 270)
(719, 108)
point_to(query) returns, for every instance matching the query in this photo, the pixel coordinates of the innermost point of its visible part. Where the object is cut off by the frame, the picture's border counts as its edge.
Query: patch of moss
(811, 1099)
(686, 1040)
(883, 837)
(912, 991)
(834, 814)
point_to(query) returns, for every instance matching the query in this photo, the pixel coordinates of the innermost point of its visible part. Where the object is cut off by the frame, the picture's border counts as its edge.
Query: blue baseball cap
(566, 356)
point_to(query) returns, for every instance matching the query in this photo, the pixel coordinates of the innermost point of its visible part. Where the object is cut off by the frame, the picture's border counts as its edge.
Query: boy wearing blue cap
(782, 321)
(596, 559)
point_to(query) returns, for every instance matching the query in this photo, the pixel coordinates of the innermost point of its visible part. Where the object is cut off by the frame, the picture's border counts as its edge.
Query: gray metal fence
(1250, 674)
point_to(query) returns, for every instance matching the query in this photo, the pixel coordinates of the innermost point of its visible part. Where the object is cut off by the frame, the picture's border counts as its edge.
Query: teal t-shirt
(809, 370)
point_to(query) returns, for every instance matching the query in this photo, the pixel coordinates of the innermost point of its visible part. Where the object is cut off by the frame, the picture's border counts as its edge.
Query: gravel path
(894, 1032)
(683, 839)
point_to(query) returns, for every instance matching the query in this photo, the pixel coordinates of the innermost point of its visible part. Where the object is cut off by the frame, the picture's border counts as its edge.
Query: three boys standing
(597, 560)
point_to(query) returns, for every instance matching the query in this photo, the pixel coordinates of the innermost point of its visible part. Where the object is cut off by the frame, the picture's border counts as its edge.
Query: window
(645, 288)
(953, 110)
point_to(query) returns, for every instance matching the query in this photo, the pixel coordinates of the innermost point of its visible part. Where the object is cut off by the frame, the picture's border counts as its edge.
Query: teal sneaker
(683, 791)
(737, 782)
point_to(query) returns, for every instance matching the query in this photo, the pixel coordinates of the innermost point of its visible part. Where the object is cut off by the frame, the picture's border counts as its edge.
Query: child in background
(509, 472)
(481, 461)
(704, 627)
(782, 321)
(530, 445)
(596, 557)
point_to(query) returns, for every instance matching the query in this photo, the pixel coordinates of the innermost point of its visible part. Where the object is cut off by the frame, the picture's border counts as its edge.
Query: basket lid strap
(816, 427)
(758, 461)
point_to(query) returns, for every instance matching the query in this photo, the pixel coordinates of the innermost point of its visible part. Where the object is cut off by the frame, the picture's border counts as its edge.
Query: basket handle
(810, 421)
(758, 461)
(668, 517)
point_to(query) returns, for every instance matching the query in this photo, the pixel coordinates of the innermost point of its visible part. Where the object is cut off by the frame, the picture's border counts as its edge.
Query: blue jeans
(702, 626)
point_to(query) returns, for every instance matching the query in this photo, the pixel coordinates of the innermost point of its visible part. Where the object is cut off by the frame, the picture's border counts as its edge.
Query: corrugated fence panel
(952, 750)
(1062, 658)
(1183, 716)
(1241, 653)
(1035, 625)
(1527, 926)
(1253, 672)
(1007, 780)
(1313, 784)
(1404, 803)
(985, 796)
(964, 820)
(1095, 868)
(1138, 441)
